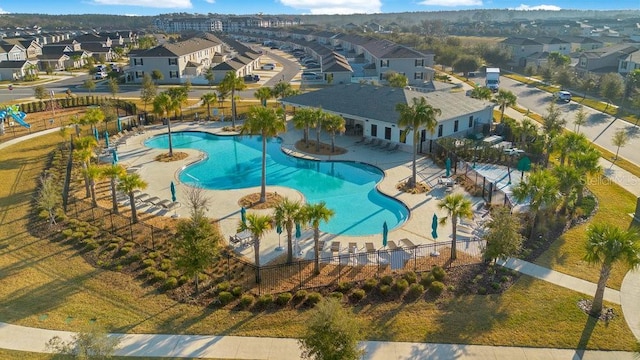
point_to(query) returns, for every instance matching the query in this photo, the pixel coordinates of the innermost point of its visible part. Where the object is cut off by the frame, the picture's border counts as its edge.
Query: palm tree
(315, 214)
(567, 178)
(128, 184)
(619, 139)
(457, 206)
(93, 173)
(581, 119)
(286, 214)
(412, 118)
(568, 143)
(93, 116)
(282, 90)
(607, 245)
(481, 93)
(586, 162)
(210, 76)
(304, 119)
(162, 105)
(267, 123)
(179, 97)
(263, 94)
(258, 226)
(64, 133)
(334, 124)
(114, 172)
(541, 189)
(318, 120)
(524, 132)
(232, 83)
(84, 153)
(208, 99)
(505, 99)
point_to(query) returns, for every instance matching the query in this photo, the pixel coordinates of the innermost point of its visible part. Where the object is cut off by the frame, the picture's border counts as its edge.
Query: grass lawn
(48, 285)
(12, 354)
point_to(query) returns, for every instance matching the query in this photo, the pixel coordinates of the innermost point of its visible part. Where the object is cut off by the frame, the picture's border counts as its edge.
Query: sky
(155, 7)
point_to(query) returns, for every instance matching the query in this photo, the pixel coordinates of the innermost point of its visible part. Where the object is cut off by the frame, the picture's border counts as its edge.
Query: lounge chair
(142, 197)
(361, 140)
(370, 248)
(173, 205)
(153, 200)
(393, 148)
(385, 147)
(406, 243)
(392, 245)
(352, 247)
(164, 203)
(375, 143)
(233, 240)
(367, 141)
(335, 246)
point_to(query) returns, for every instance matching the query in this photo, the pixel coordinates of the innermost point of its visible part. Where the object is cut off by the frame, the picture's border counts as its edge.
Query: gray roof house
(370, 111)
(606, 59)
(13, 70)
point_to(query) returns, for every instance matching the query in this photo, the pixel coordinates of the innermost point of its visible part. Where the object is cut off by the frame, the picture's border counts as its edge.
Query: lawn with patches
(49, 285)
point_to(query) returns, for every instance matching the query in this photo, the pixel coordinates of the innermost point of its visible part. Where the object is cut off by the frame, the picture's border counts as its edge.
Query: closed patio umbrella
(106, 138)
(119, 125)
(114, 154)
(279, 231)
(95, 134)
(434, 227)
(447, 164)
(243, 215)
(298, 231)
(385, 232)
(173, 192)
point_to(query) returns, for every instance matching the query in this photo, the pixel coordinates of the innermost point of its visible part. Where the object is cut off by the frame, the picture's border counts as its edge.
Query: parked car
(100, 75)
(308, 75)
(268, 66)
(562, 95)
(251, 78)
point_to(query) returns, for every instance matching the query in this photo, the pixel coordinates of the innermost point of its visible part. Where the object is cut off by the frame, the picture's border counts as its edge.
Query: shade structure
(243, 215)
(447, 165)
(385, 233)
(173, 192)
(119, 125)
(298, 231)
(114, 155)
(434, 227)
(106, 138)
(96, 134)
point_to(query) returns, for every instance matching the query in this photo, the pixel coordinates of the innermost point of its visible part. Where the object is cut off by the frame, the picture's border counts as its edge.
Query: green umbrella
(114, 154)
(434, 227)
(119, 125)
(298, 231)
(173, 192)
(243, 215)
(447, 164)
(385, 232)
(106, 138)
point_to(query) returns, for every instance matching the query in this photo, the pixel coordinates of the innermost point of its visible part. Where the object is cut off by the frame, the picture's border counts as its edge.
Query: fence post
(415, 258)
(113, 229)
(131, 229)
(339, 268)
(300, 274)
(228, 267)
(153, 239)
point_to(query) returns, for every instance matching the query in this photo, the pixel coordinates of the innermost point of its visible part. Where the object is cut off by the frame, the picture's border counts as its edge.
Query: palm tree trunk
(132, 202)
(289, 243)
(454, 238)
(196, 281)
(233, 107)
(87, 185)
(316, 238)
(318, 138)
(533, 223)
(93, 193)
(306, 136)
(596, 306)
(263, 183)
(333, 142)
(415, 157)
(256, 251)
(208, 111)
(169, 132)
(114, 202)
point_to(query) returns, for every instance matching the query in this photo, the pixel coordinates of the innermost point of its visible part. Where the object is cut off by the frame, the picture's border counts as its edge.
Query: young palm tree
(412, 118)
(64, 133)
(282, 90)
(128, 184)
(179, 97)
(84, 153)
(315, 214)
(319, 117)
(457, 206)
(569, 143)
(303, 119)
(334, 124)
(607, 245)
(162, 105)
(93, 173)
(267, 123)
(114, 172)
(286, 214)
(505, 99)
(232, 83)
(567, 178)
(586, 162)
(580, 119)
(541, 189)
(263, 94)
(481, 93)
(208, 99)
(258, 225)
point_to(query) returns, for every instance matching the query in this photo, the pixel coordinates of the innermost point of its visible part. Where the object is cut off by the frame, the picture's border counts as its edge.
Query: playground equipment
(15, 113)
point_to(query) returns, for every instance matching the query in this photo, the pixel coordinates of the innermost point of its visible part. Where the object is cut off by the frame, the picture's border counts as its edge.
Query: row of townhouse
(376, 57)
(223, 23)
(22, 56)
(590, 55)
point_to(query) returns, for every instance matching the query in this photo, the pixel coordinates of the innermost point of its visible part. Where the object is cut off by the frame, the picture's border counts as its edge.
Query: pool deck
(224, 203)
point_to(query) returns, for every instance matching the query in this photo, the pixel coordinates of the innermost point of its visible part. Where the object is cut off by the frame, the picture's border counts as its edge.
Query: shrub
(165, 264)
(370, 284)
(173, 272)
(386, 280)
(125, 250)
(153, 255)
(344, 287)
(337, 295)
(436, 288)
(91, 244)
(482, 290)
(246, 301)
(504, 278)
(77, 235)
(148, 263)
(283, 298)
(438, 273)
(411, 277)
(314, 298)
(427, 279)
(300, 295)
(236, 291)
(357, 294)
(137, 257)
(495, 285)
(225, 297)
(129, 244)
(451, 288)
(171, 283)
(67, 233)
(223, 286)
(401, 285)
(384, 289)
(112, 246)
(265, 300)
(149, 271)
(159, 276)
(415, 290)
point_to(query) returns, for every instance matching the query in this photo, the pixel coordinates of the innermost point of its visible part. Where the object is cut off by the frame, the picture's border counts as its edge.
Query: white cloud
(336, 6)
(451, 3)
(537, 7)
(210, 1)
(3, 12)
(180, 4)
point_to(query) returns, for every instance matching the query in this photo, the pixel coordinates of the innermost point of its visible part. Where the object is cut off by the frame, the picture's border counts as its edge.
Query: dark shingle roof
(12, 64)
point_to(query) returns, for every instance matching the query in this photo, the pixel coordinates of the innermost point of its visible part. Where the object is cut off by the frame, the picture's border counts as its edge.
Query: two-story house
(604, 60)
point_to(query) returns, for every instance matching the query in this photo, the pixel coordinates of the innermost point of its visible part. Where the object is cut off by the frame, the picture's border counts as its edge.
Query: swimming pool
(348, 188)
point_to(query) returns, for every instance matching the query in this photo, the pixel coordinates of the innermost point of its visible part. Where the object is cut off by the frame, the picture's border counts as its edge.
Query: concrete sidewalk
(235, 347)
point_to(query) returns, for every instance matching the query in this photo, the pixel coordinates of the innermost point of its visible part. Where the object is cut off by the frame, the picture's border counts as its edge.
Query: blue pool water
(348, 188)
